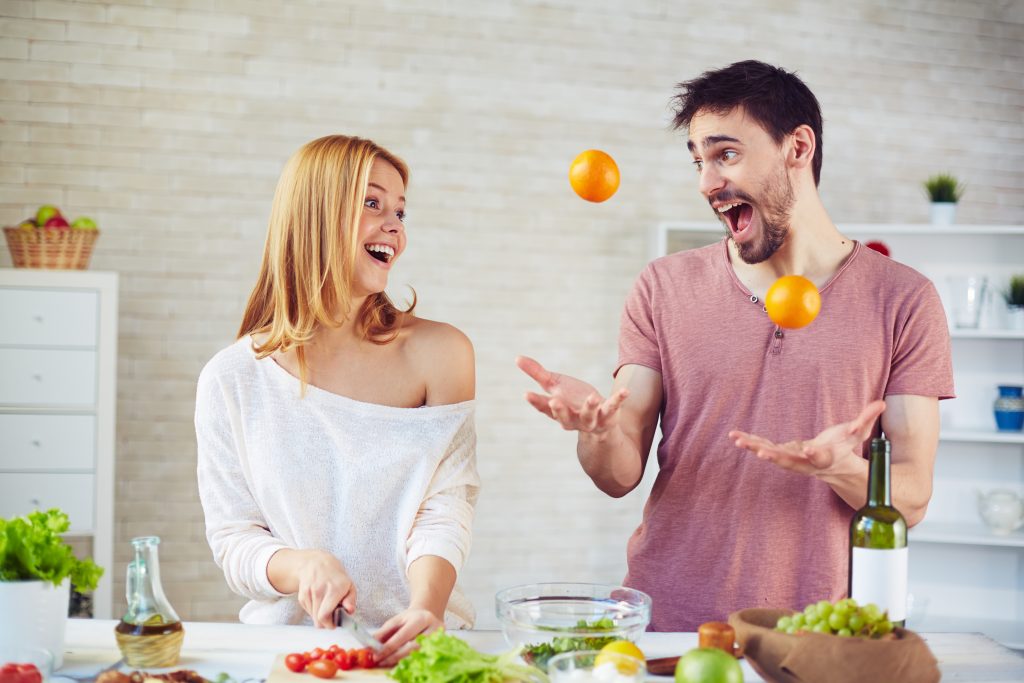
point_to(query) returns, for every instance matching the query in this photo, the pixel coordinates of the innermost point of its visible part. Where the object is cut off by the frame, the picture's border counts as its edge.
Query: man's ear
(802, 144)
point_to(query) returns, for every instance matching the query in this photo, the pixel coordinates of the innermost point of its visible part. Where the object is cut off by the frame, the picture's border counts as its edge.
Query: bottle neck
(878, 474)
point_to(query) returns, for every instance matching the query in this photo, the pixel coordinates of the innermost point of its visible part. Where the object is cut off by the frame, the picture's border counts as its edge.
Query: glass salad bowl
(547, 619)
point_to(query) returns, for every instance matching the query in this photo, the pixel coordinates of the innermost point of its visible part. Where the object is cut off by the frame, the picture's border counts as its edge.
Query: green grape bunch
(845, 618)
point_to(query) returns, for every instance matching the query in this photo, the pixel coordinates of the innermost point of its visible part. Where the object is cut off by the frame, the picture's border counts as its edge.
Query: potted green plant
(1014, 297)
(944, 191)
(36, 568)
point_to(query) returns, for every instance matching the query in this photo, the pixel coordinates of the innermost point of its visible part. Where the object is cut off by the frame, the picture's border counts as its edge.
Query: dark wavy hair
(774, 97)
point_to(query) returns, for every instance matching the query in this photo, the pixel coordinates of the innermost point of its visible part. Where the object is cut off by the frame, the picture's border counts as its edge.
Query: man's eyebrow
(710, 140)
(401, 198)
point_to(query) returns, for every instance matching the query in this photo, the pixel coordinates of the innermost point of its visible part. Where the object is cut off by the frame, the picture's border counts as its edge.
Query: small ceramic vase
(1009, 408)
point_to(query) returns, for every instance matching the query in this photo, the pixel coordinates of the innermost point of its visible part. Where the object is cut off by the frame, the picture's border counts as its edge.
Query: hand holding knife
(358, 631)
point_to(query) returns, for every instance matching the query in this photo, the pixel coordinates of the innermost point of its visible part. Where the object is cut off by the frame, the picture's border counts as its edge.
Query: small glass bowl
(23, 654)
(612, 667)
(537, 614)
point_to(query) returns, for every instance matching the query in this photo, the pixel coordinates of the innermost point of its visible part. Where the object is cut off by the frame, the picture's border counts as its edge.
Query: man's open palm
(571, 402)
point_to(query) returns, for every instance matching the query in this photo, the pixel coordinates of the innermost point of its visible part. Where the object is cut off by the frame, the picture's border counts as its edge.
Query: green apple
(708, 665)
(45, 213)
(83, 223)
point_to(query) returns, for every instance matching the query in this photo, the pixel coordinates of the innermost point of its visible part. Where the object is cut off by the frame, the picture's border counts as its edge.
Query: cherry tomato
(323, 668)
(366, 659)
(316, 653)
(20, 673)
(342, 659)
(295, 662)
(306, 658)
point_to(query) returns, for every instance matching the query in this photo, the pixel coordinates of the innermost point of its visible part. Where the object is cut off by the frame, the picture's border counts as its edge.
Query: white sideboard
(962, 576)
(58, 400)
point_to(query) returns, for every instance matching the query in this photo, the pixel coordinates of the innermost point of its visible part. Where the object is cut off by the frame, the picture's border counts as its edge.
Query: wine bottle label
(880, 576)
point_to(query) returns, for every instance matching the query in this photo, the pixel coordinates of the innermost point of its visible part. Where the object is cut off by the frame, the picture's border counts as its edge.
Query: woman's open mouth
(737, 216)
(382, 252)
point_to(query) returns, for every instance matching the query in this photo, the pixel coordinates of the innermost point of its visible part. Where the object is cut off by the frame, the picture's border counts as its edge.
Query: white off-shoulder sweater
(377, 486)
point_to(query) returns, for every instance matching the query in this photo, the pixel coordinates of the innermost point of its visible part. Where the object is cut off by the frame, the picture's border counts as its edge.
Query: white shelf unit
(58, 388)
(964, 533)
(962, 576)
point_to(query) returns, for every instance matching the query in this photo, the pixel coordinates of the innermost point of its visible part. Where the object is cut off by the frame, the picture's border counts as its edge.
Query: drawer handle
(35, 501)
(37, 443)
(38, 318)
(37, 377)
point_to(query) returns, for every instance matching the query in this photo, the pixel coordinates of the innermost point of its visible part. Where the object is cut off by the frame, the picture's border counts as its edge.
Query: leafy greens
(443, 658)
(539, 654)
(31, 549)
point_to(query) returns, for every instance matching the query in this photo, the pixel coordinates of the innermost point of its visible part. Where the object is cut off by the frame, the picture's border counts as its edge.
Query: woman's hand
(318, 579)
(398, 634)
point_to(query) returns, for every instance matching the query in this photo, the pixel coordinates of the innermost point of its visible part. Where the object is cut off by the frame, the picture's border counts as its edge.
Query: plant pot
(35, 614)
(943, 213)
(1015, 317)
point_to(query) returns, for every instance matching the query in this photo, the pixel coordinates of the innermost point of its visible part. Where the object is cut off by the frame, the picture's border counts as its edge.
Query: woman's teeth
(381, 252)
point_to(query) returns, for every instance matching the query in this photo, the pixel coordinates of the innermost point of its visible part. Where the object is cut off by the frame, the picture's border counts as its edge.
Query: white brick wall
(168, 122)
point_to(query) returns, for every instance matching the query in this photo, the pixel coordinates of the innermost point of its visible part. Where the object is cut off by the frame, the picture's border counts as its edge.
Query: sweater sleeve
(443, 523)
(238, 536)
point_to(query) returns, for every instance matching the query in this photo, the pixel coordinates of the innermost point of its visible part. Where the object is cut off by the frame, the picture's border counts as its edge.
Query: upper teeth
(726, 207)
(383, 248)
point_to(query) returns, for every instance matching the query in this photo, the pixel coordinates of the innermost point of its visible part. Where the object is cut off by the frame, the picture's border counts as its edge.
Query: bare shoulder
(443, 355)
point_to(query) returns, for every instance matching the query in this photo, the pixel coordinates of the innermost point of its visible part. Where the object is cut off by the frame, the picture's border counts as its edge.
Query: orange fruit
(792, 301)
(594, 175)
(625, 655)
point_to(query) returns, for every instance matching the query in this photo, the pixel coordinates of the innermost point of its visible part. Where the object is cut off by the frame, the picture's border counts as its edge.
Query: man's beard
(776, 202)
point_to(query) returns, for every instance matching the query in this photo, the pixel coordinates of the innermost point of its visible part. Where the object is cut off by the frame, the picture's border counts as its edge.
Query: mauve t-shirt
(723, 530)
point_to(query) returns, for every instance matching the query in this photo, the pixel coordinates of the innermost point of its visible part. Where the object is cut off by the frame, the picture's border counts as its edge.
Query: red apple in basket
(45, 213)
(83, 223)
(57, 222)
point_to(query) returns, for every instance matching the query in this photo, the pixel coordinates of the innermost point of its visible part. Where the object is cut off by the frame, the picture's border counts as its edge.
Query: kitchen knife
(352, 625)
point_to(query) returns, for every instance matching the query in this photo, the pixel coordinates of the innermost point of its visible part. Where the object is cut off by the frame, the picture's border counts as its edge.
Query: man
(741, 515)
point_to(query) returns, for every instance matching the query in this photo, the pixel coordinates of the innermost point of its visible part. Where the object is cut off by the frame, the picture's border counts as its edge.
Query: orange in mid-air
(792, 301)
(594, 175)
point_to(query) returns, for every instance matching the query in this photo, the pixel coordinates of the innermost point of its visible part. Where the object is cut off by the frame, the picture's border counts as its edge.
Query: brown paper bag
(818, 658)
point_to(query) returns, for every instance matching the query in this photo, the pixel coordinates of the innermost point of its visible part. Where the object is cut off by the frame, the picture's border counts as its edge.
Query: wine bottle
(878, 543)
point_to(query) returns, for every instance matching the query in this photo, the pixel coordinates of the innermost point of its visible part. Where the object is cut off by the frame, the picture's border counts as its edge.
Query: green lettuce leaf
(443, 658)
(31, 548)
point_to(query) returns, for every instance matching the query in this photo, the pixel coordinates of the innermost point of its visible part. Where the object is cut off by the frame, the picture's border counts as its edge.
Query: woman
(336, 439)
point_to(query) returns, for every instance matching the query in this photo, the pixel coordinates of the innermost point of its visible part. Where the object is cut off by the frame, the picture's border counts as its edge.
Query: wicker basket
(67, 249)
(149, 652)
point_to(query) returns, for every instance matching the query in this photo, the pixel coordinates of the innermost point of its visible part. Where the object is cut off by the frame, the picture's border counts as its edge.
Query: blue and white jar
(1009, 408)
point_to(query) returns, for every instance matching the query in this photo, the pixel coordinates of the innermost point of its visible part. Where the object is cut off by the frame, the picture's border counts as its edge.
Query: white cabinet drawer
(47, 377)
(72, 493)
(47, 317)
(47, 442)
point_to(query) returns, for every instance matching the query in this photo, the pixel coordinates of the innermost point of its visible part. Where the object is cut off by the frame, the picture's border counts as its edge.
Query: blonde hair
(309, 259)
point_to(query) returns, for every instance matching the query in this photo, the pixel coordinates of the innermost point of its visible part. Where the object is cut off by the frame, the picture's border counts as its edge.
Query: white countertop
(247, 652)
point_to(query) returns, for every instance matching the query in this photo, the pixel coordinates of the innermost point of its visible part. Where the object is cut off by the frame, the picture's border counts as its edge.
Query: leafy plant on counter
(31, 549)
(943, 187)
(443, 658)
(1014, 294)
(539, 654)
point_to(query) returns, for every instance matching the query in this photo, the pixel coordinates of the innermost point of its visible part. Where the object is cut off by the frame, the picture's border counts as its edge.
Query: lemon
(623, 654)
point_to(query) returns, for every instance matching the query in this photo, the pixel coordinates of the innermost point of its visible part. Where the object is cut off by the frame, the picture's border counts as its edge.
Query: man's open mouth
(381, 252)
(736, 215)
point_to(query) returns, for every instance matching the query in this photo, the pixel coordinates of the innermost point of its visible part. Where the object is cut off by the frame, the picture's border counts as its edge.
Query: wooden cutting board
(279, 673)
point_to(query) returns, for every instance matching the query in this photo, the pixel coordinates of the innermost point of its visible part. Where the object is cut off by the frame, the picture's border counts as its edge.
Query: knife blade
(358, 631)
